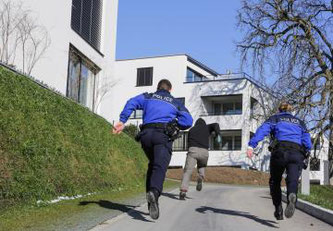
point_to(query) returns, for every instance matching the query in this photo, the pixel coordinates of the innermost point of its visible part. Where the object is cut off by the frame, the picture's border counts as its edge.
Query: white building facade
(236, 101)
(80, 57)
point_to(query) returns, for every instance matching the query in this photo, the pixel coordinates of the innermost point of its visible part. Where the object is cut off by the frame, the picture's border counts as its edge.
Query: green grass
(321, 195)
(70, 214)
(51, 146)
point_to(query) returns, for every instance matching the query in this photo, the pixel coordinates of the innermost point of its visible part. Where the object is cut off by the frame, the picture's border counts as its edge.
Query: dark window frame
(196, 75)
(144, 76)
(234, 111)
(314, 164)
(94, 16)
(83, 60)
(233, 144)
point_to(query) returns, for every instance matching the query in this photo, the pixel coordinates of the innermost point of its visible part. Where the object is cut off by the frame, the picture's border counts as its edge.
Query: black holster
(172, 130)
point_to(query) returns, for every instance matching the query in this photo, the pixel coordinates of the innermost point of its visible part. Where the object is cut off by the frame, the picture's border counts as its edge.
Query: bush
(131, 130)
(51, 146)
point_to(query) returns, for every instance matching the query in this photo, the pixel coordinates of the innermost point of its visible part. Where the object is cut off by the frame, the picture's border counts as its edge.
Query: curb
(316, 211)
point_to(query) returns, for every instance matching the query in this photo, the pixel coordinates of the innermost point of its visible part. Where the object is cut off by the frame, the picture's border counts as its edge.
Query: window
(217, 109)
(81, 78)
(231, 140)
(137, 114)
(253, 106)
(226, 104)
(180, 144)
(87, 20)
(314, 164)
(182, 99)
(227, 108)
(193, 76)
(144, 76)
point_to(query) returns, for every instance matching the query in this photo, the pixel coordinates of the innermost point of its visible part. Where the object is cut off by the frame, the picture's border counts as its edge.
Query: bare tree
(293, 39)
(102, 91)
(21, 37)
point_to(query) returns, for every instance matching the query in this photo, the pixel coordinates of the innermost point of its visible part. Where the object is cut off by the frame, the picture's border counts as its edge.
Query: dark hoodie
(198, 135)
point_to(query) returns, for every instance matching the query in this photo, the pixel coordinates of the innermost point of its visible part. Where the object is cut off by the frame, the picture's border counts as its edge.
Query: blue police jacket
(284, 127)
(158, 107)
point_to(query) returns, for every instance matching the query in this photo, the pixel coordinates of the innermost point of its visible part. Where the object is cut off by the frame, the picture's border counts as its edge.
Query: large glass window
(81, 79)
(227, 108)
(87, 20)
(193, 76)
(144, 76)
(230, 140)
(226, 105)
(181, 143)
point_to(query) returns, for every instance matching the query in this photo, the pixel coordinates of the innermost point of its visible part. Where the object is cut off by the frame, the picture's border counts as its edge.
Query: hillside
(51, 146)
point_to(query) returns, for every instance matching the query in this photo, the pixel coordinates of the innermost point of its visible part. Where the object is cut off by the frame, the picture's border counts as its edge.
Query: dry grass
(226, 175)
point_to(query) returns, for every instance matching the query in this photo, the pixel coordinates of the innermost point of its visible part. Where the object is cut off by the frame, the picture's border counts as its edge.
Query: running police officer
(162, 116)
(291, 142)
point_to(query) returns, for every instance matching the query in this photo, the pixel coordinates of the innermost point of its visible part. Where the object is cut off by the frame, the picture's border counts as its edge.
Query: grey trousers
(195, 156)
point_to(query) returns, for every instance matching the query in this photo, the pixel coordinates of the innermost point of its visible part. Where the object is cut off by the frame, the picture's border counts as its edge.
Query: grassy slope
(78, 214)
(50, 146)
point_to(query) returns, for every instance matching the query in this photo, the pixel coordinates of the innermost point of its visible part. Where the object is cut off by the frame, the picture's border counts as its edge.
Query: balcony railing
(231, 112)
(231, 76)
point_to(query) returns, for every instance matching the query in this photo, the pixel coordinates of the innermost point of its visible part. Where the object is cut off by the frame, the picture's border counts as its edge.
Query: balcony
(222, 105)
(193, 77)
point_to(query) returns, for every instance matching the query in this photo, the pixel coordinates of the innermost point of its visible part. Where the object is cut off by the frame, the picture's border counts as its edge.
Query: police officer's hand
(118, 127)
(249, 152)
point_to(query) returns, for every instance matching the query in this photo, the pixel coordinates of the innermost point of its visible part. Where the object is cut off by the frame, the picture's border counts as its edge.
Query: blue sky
(204, 29)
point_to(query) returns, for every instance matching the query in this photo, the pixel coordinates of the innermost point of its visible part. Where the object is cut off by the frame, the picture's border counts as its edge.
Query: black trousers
(158, 149)
(291, 160)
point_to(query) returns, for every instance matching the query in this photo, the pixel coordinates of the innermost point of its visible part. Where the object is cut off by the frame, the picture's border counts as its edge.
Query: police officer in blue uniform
(163, 115)
(291, 142)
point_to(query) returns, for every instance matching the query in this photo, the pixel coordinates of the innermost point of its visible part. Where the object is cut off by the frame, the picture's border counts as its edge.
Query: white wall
(56, 17)
(172, 68)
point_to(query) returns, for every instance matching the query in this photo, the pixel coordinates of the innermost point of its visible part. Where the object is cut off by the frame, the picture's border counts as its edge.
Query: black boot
(278, 214)
(182, 195)
(199, 184)
(290, 209)
(153, 208)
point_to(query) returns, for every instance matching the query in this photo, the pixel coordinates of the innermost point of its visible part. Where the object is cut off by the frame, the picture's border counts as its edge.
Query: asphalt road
(216, 207)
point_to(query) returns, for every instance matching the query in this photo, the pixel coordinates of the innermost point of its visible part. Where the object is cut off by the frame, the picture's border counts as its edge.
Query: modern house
(82, 41)
(234, 100)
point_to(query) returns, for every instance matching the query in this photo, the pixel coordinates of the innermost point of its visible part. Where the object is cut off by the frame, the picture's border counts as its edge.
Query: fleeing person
(198, 141)
(163, 115)
(291, 141)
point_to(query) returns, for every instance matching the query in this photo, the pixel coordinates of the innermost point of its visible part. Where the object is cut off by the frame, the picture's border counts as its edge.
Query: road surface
(216, 207)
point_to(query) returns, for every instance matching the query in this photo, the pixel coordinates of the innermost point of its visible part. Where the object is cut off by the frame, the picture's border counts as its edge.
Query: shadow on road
(173, 196)
(268, 223)
(129, 209)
